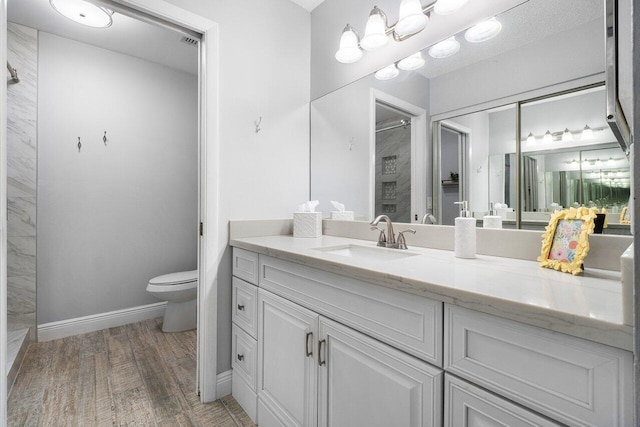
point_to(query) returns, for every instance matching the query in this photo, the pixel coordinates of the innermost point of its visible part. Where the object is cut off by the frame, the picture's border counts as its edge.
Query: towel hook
(104, 138)
(257, 123)
(79, 144)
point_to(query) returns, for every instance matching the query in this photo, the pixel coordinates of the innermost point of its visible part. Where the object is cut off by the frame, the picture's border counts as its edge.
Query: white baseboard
(97, 322)
(223, 383)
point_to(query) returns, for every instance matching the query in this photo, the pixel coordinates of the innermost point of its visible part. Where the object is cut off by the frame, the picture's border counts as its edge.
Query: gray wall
(111, 216)
(22, 100)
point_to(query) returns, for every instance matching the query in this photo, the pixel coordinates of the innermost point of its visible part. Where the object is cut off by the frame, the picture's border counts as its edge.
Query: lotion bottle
(465, 233)
(493, 220)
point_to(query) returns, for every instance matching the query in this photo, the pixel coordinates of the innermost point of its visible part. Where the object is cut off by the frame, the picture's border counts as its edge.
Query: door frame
(418, 151)
(209, 247)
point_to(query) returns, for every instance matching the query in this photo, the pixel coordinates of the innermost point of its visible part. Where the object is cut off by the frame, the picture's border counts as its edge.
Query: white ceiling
(308, 4)
(126, 35)
(529, 22)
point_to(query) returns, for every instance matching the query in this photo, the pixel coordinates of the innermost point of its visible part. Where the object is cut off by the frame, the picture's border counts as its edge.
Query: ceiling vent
(189, 40)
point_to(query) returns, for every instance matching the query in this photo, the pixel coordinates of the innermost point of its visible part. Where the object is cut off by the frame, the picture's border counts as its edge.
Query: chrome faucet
(428, 217)
(391, 236)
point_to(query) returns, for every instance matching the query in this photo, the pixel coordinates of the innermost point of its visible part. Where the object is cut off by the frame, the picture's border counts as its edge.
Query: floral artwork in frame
(565, 242)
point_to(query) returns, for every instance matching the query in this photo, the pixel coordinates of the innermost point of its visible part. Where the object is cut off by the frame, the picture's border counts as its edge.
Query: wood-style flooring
(133, 375)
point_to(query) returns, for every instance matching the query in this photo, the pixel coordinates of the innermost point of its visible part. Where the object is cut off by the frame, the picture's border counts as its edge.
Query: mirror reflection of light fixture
(375, 33)
(349, 50)
(531, 140)
(83, 12)
(587, 133)
(611, 161)
(598, 162)
(387, 73)
(447, 7)
(547, 138)
(483, 31)
(567, 136)
(411, 18)
(412, 62)
(445, 48)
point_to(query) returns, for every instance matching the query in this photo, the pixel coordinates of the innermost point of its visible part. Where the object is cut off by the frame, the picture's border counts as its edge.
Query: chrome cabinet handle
(240, 307)
(240, 357)
(320, 361)
(308, 352)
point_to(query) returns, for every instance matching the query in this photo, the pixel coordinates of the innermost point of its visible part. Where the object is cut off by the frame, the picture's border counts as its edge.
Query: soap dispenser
(465, 233)
(493, 220)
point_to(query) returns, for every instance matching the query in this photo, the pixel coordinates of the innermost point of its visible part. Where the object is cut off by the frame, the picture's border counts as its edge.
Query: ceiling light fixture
(445, 48)
(412, 62)
(387, 73)
(349, 50)
(483, 31)
(375, 33)
(413, 18)
(447, 7)
(83, 12)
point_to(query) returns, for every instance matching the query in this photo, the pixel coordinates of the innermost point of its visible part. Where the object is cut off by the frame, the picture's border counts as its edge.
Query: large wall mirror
(414, 144)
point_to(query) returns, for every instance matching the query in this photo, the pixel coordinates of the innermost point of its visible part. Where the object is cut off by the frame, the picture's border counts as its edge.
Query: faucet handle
(382, 238)
(402, 243)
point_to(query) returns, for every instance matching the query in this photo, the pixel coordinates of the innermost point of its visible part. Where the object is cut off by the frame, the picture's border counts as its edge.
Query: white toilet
(180, 290)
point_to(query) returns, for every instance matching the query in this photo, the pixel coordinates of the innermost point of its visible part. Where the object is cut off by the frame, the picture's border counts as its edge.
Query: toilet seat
(172, 279)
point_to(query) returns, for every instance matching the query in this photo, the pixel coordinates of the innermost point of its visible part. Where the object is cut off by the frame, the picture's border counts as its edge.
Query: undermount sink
(366, 252)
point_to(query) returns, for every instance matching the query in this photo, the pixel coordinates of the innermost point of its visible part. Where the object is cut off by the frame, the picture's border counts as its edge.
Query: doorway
(452, 141)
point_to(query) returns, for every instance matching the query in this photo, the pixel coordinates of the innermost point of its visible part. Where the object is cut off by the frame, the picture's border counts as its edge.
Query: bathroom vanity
(336, 331)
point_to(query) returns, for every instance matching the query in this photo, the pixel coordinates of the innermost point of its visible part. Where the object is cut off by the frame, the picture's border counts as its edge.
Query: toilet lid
(175, 278)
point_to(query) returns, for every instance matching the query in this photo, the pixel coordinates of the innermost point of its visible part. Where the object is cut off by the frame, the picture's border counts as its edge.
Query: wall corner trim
(96, 322)
(223, 383)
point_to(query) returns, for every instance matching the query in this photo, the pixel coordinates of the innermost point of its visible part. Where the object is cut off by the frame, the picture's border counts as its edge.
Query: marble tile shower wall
(22, 98)
(393, 174)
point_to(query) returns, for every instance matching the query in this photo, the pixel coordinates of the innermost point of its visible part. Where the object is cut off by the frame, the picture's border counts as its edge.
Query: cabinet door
(287, 372)
(366, 383)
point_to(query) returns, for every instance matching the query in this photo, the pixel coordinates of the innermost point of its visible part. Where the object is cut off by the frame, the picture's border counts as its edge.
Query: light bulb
(547, 138)
(375, 35)
(587, 133)
(483, 31)
(598, 162)
(412, 62)
(611, 162)
(411, 18)
(83, 12)
(387, 73)
(447, 7)
(567, 136)
(531, 140)
(444, 48)
(349, 51)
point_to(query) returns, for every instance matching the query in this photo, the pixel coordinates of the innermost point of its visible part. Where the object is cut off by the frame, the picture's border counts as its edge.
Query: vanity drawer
(244, 356)
(244, 307)
(466, 405)
(245, 265)
(408, 322)
(574, 381)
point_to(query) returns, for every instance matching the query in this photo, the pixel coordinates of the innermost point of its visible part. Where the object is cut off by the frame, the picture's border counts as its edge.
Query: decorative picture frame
(565, 243)
(624, 216)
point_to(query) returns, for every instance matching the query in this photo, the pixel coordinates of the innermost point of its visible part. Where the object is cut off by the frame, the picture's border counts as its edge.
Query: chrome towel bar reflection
(13, 72)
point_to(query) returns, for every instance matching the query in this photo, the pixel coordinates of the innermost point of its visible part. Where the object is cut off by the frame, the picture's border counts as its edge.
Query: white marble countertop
(587, 306)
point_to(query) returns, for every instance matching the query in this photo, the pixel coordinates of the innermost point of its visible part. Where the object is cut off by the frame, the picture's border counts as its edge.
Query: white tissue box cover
(307, 224)
(343, 216)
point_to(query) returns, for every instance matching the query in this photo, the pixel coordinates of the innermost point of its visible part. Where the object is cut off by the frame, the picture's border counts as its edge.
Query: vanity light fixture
(375, 33)
(531, 140)
(567, 136)
(83, 12)
(587, 133)
(412, 19)
(611, 161)
(445, 48)
(447, 7)
(412, 62)
(387, 73)
(349, 49)
(598, 162)
(483, 31)
(547, 138)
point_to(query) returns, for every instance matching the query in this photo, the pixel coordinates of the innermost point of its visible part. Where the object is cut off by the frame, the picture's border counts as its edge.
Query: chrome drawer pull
(308, 352)
(320, 361)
